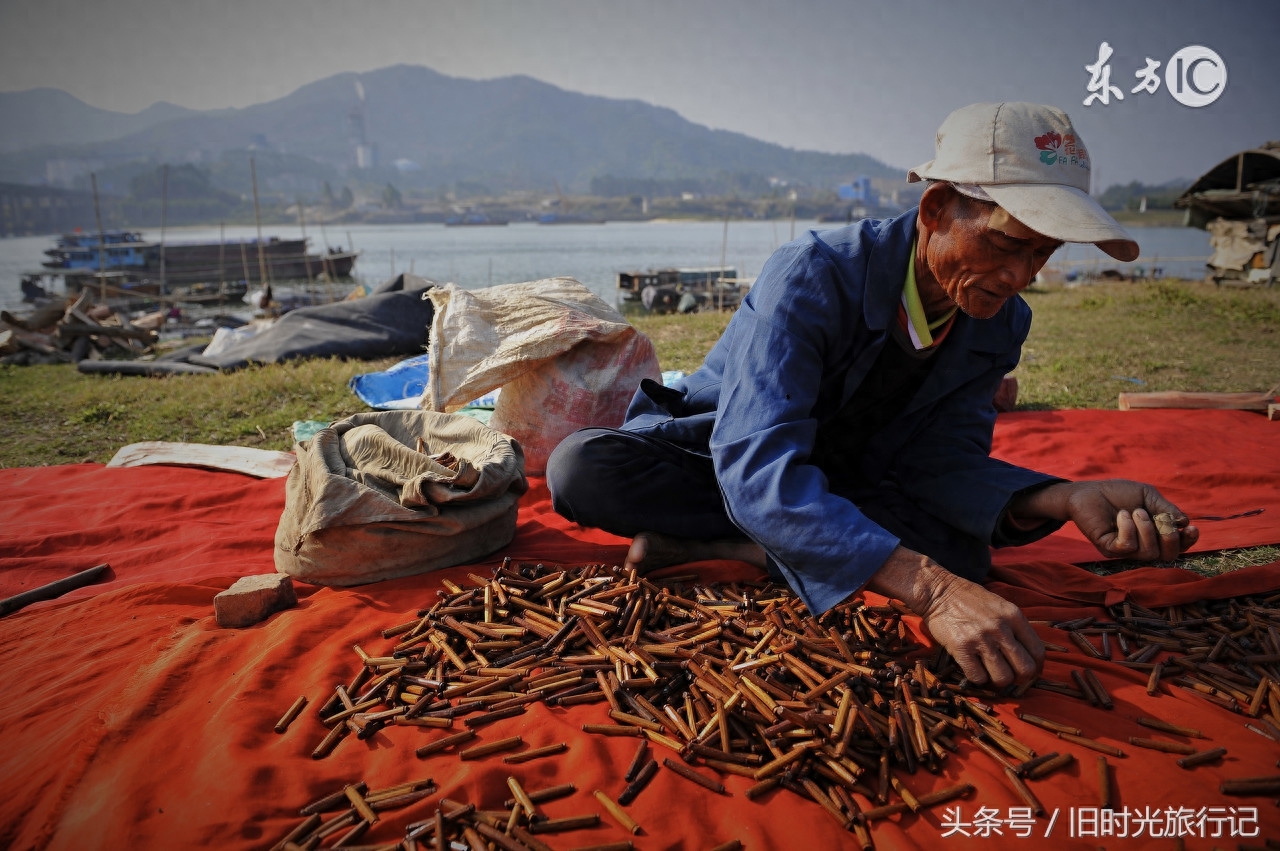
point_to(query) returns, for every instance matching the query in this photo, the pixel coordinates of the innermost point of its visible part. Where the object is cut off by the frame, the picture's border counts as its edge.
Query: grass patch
(1205, 564)
(55, 415)
(1089, 343)
(682, 341)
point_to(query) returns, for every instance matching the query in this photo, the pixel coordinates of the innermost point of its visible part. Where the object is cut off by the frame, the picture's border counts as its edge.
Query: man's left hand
(1116, 515)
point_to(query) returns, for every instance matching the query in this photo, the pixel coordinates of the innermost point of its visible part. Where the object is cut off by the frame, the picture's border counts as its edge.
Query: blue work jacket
(795, 351)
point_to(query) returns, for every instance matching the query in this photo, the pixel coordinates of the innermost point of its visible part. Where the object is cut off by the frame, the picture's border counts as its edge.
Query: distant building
(860, 191)
(26, 209)
(69, 173)
(363, 152)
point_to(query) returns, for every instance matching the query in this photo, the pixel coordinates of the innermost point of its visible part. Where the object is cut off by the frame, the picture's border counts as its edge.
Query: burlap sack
(563, 357)
(363, 504)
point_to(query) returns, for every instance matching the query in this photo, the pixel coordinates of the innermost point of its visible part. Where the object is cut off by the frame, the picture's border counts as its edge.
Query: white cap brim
(1065, 213)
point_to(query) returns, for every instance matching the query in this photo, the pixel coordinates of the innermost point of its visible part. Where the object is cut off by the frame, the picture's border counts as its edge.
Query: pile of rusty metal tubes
(731, 678)
(1224, 651)
(353, 809)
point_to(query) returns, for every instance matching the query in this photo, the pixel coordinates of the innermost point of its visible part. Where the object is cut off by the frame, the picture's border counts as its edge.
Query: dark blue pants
(627, 483)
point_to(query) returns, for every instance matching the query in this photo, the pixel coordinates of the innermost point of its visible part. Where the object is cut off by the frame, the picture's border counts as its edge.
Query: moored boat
(150, 266)
(664, 290)
(474, 219)
(1238, 203)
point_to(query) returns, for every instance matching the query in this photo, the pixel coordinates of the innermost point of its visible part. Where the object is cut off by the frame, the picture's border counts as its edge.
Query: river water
(476, 257)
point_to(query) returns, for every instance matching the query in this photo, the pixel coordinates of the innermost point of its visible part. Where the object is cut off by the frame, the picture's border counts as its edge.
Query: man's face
(981, 256)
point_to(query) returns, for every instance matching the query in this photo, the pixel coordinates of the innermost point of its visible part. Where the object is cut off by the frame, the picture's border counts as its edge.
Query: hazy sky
(824, 75)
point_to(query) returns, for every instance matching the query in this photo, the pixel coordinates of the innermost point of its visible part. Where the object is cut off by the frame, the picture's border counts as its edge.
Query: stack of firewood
(72, 331)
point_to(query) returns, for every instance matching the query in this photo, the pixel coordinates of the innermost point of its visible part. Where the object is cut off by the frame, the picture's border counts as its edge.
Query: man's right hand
(988, 636)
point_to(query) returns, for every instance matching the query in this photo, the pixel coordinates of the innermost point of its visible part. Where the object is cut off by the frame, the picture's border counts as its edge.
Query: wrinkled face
(981, 256)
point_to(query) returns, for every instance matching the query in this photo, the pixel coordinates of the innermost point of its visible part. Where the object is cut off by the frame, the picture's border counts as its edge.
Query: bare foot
(651, 551)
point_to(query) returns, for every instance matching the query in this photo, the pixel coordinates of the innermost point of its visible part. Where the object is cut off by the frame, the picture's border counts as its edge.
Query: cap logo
(1056, 149)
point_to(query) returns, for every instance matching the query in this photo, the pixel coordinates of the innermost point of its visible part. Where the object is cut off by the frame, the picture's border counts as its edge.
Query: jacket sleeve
(947, 468)
(797, 316)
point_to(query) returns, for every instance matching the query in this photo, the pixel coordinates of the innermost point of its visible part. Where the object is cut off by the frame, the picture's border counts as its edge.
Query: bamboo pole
(102, 240)
(163, 299)
(244, 265)
(306, 259)
(222, 257)
(724, 249)
(324, 252)
(257, 218)
(164, 220)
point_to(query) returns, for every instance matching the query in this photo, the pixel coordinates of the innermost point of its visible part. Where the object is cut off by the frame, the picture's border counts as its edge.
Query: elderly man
(839, 432)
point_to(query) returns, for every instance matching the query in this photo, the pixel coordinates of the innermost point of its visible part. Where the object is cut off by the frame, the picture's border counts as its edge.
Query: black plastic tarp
(403, 281)
(380, 325)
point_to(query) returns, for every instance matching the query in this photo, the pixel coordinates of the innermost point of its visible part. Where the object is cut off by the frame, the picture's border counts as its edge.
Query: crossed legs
(666, 499)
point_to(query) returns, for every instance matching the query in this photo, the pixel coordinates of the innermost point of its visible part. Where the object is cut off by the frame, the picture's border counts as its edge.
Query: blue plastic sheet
(401, 386)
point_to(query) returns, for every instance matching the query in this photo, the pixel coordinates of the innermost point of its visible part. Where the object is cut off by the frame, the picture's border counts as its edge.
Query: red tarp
(129, 719)
(1208, 463)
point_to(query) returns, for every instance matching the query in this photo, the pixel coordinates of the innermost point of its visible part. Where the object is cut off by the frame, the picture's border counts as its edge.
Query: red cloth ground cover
(130, 720)
(1208, 463)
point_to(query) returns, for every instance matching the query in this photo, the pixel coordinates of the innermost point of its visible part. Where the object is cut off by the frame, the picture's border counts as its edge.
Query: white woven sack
(563, 357)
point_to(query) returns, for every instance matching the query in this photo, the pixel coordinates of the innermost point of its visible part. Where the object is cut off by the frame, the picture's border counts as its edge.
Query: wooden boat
(145, 265)
(1243, 186)
(1238, 203)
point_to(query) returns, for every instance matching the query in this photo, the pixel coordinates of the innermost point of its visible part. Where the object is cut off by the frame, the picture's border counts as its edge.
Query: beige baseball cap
(1027, 158)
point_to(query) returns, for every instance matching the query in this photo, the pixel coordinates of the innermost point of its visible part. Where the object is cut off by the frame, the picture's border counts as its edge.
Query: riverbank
(1151, 218)
(1087, 344)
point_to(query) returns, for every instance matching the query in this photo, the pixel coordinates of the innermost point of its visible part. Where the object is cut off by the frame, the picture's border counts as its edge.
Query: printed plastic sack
(366, 501)
(564, 359)
(397, 388)
(400, 387)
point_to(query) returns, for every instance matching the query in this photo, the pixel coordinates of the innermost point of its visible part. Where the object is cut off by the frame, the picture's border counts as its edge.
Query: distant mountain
(506, 133)
(52, 117)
